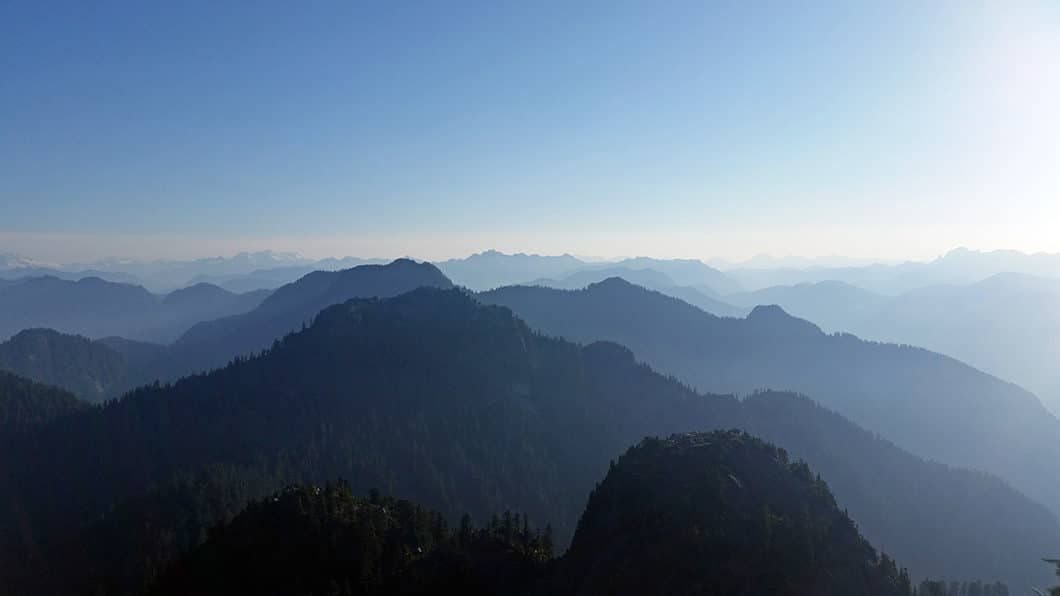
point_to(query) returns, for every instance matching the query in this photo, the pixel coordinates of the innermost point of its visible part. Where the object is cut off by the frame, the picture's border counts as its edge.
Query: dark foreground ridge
(713, 513)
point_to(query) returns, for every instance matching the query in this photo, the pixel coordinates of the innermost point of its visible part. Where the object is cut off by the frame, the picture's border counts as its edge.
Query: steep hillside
(25, 405)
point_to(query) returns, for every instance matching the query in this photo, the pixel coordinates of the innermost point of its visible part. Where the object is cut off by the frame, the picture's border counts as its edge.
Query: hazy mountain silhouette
(167, 275)
(930, 404)
(213, 343)
(274, 277)
(462, 407)
(97, 308)
(490, 269)
(1007, 325)
(687, 272)
(960, 266)
(117, 277)
(89, 369)
(648, 278)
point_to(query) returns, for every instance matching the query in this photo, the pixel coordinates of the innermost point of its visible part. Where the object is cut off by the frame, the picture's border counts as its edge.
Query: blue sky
(891, 129)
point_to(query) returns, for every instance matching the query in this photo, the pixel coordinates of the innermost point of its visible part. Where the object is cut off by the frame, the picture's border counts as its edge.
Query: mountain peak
(612, 282)
(680, 508)
(777, 320)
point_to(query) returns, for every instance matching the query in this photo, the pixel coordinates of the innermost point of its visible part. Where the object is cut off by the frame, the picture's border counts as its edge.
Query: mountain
(213, 343)
(580, 279)
(460, 406)
(647, 278)
(686, 272)
(89, 369)
(167, 275)
(930, 404)
(960, 266)
(834, 305)
(96, 308)
(720, 513)
(491, 268)
(1007, 324)
(275, 277)
(117, 277)
(26, 405)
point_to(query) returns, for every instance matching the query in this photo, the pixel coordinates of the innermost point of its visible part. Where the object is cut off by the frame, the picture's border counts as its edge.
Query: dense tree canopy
(25, 405)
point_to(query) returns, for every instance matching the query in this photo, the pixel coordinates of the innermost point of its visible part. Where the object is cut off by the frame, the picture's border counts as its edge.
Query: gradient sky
(183, 129)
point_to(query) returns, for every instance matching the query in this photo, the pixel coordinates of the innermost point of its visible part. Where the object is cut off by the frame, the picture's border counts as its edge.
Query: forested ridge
(706, 513)
(89, 369)
(26, 405)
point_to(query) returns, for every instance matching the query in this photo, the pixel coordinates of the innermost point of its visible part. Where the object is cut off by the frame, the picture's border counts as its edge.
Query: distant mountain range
(463, 407)
(490, 269)
(648, 278)
(1008, 324)
(930, 404)
(97, 308)
(960, 266)
(241, 273)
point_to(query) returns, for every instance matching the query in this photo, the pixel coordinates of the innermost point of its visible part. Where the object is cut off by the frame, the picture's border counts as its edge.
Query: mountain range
(1007, 324)
(960, 266)
(648, 278)
(928, 403)
(96, 308)
(464, 408)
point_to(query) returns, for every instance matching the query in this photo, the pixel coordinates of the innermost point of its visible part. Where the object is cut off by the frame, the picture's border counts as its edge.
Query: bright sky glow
(883, 129)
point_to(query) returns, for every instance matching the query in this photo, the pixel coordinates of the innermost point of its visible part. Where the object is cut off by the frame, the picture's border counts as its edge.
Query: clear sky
(183, 129)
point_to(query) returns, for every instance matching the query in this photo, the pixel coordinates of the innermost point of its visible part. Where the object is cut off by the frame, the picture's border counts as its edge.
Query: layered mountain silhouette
(96, 308)
(686, 272)
(213, 343)
(648, 278)
(491, 268)
(1007, 324)
(960, 266)
(90, 369)
(462, 407)
(930, 404)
